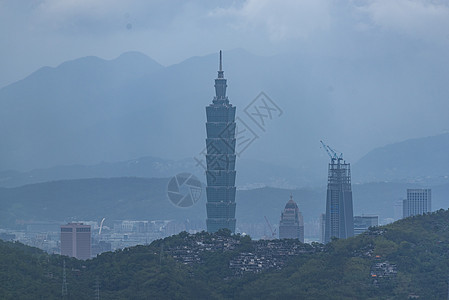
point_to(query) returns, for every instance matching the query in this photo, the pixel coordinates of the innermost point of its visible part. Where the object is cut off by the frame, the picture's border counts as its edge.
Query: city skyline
(125, 175)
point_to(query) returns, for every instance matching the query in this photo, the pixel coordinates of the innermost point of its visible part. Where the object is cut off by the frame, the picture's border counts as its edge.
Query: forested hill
(409, 258)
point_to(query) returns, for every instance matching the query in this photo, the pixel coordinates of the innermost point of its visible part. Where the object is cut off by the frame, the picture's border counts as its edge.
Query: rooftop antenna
(221, 67)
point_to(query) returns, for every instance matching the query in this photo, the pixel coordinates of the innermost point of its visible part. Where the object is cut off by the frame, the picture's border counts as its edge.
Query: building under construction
(339, 213)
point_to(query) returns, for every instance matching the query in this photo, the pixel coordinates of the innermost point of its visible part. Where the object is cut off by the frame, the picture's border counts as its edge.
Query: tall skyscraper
(76, 240)
(220, 159)
(291, 225)
(418, 202)
(339, 214)
(363, 223)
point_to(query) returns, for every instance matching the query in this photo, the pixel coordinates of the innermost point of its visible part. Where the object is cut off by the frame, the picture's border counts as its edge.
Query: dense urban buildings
(418, 202)
(76, 240)
(220, 159)
(339, 213)
(363, 223)
(291, 225)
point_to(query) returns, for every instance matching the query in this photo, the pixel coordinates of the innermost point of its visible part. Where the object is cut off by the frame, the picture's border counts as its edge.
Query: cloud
(99, 17)
(281, 20)
(48, 32)
(421, 19)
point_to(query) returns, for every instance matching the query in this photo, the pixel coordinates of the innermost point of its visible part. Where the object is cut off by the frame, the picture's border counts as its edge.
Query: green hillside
(409, 258)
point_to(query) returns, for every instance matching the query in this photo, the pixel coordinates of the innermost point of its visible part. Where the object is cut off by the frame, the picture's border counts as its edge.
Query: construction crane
(273, 232)
(101, 226)
(332, 153)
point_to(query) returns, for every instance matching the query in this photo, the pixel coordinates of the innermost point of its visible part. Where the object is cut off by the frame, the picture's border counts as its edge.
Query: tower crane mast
(332, 153)
(273, 232)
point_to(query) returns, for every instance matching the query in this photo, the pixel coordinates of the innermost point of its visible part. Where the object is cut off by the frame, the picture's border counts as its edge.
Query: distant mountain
(146, 199)
(251, 173)
(51, 113)
(147, 167)
(91, 110)
(424, 160)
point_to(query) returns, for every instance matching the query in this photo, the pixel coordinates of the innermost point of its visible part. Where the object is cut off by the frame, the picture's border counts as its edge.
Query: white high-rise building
(419, 201)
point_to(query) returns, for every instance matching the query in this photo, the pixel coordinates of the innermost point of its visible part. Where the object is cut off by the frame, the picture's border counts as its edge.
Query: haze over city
(247, 126)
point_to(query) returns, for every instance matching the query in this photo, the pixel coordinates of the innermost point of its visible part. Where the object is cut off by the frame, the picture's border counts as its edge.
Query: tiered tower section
(220, 158)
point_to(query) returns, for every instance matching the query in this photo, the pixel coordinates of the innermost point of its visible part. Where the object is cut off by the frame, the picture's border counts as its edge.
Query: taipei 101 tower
(220, 158)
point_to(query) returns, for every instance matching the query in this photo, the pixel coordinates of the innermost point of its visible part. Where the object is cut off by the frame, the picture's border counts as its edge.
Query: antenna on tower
(64, 281)
(220, 67)
(448, 289)
(97, 289)
(161, 254)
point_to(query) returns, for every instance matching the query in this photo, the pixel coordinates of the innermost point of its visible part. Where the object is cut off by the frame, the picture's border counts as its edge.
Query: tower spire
(220, 83)
(220, 69)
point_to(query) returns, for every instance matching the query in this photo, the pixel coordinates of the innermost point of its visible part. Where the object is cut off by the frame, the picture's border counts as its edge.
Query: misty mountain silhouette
(424, 159)
(396, 162)
(146, 199)
(91, 110)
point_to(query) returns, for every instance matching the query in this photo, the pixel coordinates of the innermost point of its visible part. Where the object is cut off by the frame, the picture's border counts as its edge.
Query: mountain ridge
(104, 115)
(409, 159)
(146, 199)
(376, 166)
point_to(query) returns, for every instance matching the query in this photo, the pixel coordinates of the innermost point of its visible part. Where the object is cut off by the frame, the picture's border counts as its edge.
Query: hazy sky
(48, 32)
